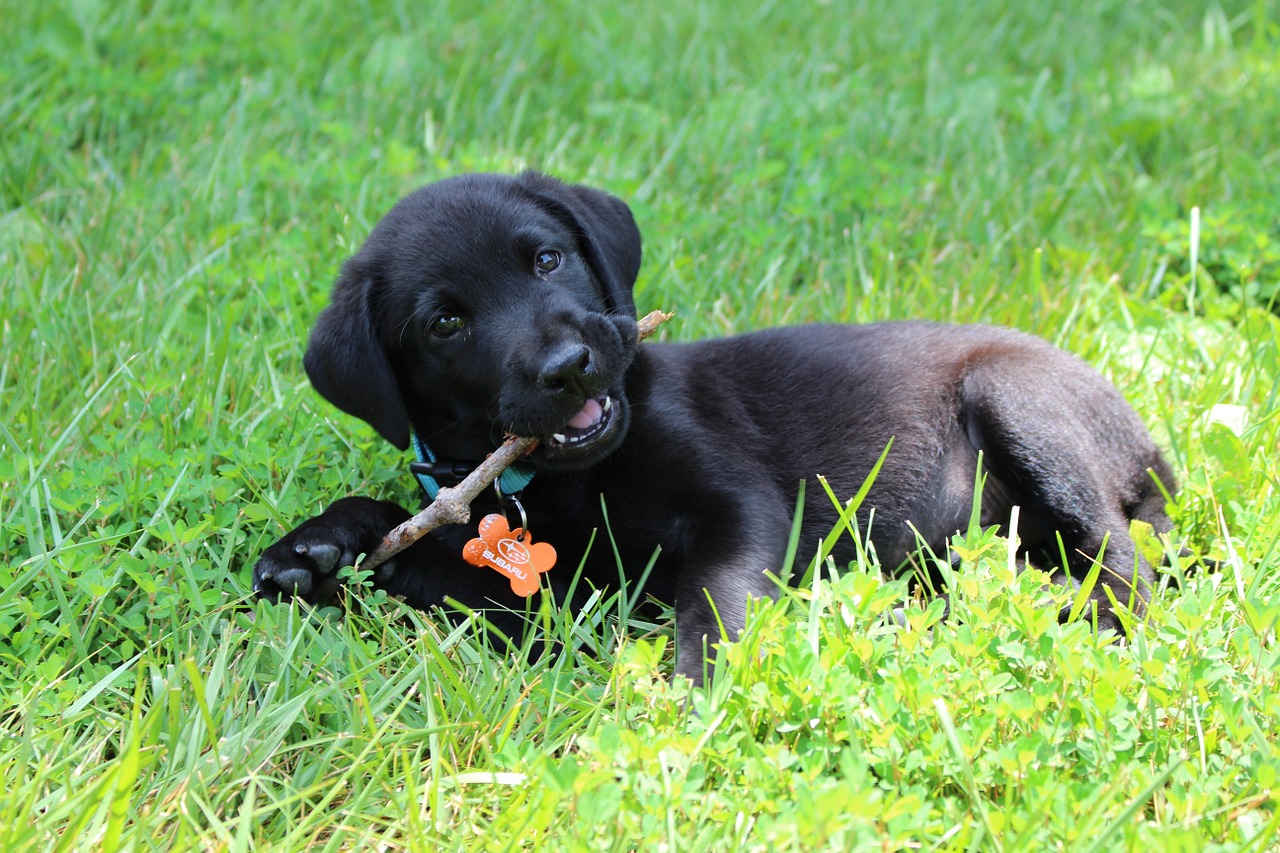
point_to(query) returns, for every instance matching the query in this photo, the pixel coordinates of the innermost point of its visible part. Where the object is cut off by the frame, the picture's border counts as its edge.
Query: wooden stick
(453, 505)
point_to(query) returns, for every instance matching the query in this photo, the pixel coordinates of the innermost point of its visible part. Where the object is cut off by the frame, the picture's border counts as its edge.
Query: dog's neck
(433, 472)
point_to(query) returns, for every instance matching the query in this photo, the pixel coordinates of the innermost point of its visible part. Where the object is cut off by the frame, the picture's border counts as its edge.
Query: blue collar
(427, 468)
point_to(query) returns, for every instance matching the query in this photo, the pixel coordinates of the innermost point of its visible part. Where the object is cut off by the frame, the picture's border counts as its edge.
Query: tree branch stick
(453, 505)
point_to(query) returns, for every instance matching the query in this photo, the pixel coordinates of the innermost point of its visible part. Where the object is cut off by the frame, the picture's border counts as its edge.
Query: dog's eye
(446, 325)
(547, 260)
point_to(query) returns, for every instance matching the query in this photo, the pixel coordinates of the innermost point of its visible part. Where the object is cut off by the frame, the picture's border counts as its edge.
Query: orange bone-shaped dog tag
(499, 547)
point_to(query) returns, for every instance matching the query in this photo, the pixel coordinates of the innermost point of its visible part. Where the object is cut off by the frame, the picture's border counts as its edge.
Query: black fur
(705, 443)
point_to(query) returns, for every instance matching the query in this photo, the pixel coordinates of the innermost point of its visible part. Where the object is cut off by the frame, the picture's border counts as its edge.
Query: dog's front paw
(306, 561)
(305, 564)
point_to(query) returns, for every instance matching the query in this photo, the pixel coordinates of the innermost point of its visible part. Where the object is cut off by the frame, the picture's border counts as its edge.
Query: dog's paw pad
(304, 568)
(284, 583)
(324, 555)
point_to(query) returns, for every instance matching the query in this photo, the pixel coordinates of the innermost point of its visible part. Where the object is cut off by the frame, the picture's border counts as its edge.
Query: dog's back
(1056, 439)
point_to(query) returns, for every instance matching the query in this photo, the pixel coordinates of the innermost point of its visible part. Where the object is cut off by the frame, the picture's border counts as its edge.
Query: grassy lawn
(178, 188)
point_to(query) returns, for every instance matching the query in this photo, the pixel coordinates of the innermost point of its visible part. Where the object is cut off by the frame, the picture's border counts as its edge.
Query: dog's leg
(1077, 461)
(306, 560)
(726, 566)
(716, 598)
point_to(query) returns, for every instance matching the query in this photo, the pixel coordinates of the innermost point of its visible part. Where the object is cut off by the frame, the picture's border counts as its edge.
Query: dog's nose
(568, 368)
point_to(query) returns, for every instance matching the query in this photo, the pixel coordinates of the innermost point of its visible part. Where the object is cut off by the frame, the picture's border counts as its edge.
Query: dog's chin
(587, 438)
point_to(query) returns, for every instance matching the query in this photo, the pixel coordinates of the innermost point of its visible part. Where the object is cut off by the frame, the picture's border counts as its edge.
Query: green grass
(179, 186)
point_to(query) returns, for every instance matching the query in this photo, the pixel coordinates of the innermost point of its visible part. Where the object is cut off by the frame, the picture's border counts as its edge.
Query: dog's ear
(348, 364)
(610, 238)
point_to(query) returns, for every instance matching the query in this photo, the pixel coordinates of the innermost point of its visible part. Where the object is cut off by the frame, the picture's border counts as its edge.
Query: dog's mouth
(587, 425)
(587, 436)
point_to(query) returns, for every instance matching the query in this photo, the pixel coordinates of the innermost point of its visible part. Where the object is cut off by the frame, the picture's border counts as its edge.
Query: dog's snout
(569, 368)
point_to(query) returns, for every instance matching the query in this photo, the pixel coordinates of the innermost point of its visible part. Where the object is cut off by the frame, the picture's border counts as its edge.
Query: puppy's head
(488, 304)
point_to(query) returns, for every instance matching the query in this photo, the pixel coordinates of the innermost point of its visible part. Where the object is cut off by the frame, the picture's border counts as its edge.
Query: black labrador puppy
(484, 305)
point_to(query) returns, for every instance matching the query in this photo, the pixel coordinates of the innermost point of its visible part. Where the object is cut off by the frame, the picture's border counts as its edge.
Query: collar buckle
(429, 471)
(453, 472)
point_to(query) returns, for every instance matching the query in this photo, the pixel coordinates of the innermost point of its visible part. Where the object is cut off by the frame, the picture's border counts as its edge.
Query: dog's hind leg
(1073, 455)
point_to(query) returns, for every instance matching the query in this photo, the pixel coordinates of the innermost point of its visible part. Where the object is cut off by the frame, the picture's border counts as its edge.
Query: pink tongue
(589, 415)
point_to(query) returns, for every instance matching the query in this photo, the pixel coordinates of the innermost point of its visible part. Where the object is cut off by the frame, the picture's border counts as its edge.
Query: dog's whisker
(407, 320)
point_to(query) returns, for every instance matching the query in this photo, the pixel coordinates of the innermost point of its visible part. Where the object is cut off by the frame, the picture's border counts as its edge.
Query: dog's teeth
(558, 438)
(608, 403)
